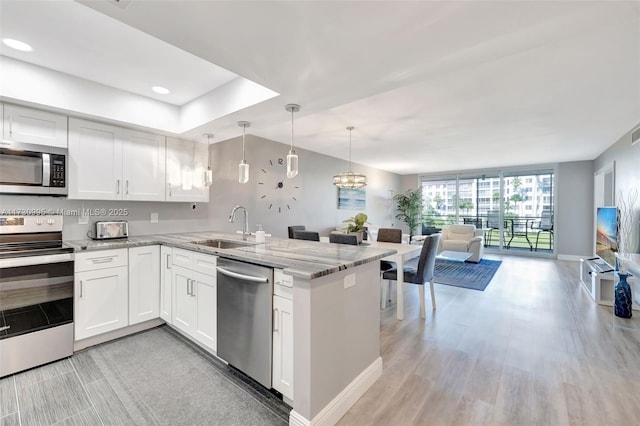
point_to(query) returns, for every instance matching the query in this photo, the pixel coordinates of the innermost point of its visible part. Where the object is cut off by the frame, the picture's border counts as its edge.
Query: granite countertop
(299, 258)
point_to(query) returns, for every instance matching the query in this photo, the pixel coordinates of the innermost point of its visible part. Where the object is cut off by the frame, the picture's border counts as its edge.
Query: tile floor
(152, 378)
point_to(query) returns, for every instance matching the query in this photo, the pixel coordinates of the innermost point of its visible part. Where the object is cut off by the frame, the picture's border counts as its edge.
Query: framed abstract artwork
(352, 199)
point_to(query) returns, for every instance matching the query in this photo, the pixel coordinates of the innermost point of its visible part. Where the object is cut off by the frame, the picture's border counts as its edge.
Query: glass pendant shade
(208, 177)
(292, 164)
(350, 179)
(292, 157)
(243, 172)
(243, 167)
(208, 173)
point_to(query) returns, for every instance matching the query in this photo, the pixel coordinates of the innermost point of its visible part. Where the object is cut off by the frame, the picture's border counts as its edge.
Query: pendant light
(243, 167)
(350, 179)
(292, 157)
(208, 174)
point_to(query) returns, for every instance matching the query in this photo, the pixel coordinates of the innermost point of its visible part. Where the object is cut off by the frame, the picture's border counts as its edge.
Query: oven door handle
(35, 260)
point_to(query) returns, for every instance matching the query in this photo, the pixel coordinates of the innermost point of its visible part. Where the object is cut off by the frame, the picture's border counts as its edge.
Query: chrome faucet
(245, 225)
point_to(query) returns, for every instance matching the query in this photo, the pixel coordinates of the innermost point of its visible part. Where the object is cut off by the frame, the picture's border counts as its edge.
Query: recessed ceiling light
(161, 90)
(17, 44)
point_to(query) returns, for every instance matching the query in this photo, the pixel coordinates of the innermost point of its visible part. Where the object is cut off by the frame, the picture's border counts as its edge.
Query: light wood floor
(532, 349)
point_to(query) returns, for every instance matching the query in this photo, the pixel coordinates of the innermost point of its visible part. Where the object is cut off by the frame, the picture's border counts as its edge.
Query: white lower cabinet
(282, 368)
(165, 283)
(115, 288)
(144, 283)
(193, 309)
(101, 292)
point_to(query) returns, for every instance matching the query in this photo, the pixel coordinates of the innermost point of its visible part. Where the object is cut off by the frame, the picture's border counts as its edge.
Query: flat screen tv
(607, 234)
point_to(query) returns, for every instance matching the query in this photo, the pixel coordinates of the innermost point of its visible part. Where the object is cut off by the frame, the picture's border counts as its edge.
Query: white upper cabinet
(186, 165)
(110, 163)
(95, 161)
(143, 174)
(33, 126)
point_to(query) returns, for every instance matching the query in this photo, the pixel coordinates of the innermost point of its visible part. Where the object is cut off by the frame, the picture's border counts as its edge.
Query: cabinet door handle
(188, 287)
(169, 190)
(126, 183)
(81, 289)
(193, 288)
(10, 125)
(102, 260)
(276, 326)
(168, 261)
(117, 186)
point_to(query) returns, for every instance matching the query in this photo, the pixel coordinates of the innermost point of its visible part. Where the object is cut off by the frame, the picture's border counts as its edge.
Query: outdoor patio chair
(545, 225)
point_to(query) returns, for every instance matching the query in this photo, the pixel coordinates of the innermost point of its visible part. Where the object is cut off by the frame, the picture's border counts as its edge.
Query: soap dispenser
(259, 235)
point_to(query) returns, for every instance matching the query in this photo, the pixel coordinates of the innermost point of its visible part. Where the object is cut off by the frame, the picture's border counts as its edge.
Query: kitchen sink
(223, 244)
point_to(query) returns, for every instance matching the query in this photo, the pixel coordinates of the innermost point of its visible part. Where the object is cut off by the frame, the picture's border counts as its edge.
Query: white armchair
(465, 238)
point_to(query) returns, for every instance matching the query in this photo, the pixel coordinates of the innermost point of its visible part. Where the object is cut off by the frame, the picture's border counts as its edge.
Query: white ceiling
(429, 86)
(76, 40)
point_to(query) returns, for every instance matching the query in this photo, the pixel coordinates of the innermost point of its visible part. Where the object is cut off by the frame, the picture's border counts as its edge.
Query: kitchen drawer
(283, 284)
(101, 259)
(205, 263)
(280, 278)
(183, 257)
(195, 261)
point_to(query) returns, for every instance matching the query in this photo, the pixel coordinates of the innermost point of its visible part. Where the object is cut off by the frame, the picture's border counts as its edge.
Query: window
(516, 198)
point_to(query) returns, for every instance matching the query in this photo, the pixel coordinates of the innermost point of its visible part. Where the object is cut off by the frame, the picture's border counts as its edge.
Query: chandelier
(350, 179)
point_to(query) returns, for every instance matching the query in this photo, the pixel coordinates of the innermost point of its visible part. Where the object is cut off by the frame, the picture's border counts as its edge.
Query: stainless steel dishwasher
(245, 302)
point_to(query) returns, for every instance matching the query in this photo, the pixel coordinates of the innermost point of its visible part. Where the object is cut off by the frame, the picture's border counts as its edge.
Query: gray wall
(316, 204)
(627, 175)
(574, 209)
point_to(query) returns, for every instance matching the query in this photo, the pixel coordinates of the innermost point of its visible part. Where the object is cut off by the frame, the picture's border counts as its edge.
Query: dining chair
(293, 228)
(389, 235)
(306, 235)
(422, 273)
(341, 238)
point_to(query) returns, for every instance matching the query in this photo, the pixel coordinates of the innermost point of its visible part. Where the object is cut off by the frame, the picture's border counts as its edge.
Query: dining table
(404, 252)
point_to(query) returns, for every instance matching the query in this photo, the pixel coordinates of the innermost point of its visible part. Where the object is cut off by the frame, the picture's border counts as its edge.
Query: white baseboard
(339, 406)
(116, 334)
(572, 257)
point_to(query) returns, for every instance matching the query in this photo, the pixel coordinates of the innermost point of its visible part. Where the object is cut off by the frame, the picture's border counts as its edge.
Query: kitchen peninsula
(335, 294)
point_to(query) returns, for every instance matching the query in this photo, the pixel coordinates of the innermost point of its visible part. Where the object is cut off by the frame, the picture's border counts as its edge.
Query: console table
(598, 278)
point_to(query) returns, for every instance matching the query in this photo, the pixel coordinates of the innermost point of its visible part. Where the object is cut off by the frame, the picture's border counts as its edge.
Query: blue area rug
(475, 276)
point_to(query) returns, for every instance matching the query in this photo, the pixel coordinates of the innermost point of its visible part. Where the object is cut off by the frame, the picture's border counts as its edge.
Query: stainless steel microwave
(32, 169)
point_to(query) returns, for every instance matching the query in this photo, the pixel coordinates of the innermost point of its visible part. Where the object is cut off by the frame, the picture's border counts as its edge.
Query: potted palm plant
(356, 225)
(409, 207)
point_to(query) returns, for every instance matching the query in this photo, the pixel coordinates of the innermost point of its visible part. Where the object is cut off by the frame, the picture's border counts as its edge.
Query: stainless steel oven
(32, 169)
(36, 293)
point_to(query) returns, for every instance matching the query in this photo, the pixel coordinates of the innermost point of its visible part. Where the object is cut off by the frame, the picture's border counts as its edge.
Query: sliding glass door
(514, 208)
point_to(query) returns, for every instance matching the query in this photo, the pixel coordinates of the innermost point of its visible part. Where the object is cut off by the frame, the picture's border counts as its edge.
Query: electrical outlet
(349, 280)
(154, 217)
(83, 220)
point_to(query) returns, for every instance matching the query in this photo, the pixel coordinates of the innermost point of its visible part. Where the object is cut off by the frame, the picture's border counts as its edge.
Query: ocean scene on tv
(607, 234)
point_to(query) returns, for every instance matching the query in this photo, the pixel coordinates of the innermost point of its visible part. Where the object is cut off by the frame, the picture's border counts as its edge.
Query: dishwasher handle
(242, 276)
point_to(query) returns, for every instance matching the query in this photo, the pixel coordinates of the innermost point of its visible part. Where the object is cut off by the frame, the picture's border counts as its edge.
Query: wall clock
(275, 190)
